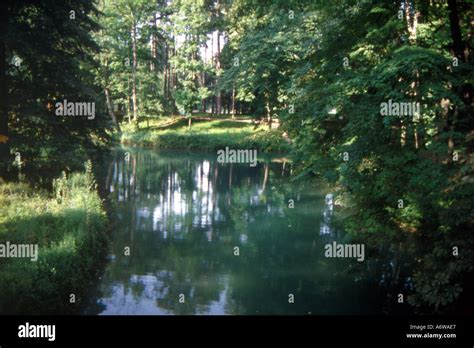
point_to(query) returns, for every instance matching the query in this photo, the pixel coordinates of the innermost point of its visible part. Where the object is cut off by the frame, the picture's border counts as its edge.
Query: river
(193, 236)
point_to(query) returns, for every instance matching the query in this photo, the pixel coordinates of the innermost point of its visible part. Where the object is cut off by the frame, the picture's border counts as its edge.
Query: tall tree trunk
(129, 117)
(153, 52)
(269, 113)
(218, 61)
(218, 66)
(458, 119)
(456, 36)
(110, 108)
(168, 67)
(4, 131)
(233, 102)
(175, 74)
(169, 74)
(165, 72)
(108, 98)
(134, 73)
(154, 44)
(203, 82)
(203, 100)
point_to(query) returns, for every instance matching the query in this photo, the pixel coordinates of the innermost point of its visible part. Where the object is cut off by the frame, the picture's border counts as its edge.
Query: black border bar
(143, 330)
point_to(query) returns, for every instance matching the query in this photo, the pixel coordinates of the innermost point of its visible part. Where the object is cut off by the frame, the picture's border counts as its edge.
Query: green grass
(70, 230)
(204, 135)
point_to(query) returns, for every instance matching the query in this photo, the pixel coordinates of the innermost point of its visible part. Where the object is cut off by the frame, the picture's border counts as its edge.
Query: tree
(191, 24)
(46, 56)
(4, 131)
(134, 15)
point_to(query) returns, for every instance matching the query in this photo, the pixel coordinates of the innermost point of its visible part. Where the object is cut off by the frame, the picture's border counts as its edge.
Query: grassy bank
(69, 227)
(204, 135)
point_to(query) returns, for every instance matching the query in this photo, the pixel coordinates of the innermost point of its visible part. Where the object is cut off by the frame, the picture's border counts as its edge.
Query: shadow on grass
(230, 124)
(69, 258)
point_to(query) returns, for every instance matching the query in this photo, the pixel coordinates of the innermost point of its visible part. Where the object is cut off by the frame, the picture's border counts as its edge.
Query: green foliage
(116, 58)
(390, 158)
(55, 62)
(191, 21)
(70, 233)
(324, 69)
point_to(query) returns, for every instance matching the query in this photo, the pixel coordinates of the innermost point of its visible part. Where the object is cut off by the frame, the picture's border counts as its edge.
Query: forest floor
(205, 134)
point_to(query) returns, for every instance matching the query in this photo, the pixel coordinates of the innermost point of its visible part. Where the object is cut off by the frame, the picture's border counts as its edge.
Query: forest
(113, 112)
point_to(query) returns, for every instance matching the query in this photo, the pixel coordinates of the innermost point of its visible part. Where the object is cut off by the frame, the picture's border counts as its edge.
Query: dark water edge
(182, 214)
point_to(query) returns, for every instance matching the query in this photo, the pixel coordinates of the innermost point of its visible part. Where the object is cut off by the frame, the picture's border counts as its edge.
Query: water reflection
(182, 216)
(327, 215)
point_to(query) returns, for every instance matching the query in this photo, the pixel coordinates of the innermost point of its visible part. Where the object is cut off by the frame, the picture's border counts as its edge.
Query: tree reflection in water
(182, 215)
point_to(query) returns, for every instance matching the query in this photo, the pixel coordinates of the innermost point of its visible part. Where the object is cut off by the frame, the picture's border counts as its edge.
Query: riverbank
(205, 134)
(68, 229)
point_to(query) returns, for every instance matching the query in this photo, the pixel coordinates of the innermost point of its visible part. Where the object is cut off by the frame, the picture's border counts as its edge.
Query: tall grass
(69, 227)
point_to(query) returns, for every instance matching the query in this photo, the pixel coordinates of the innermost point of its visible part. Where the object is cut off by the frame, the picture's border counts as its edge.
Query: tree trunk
(108, 98)
(233, 102)
(134, 73)
(203, 100)
(168, 72)
(175, 74)
(269, 114)
(218, 62)
(203, 81)
(4, 131)
(128, 101)
(110, 107)
(165, 72)
(456, 36)
(457, 119)
(153, 52)
(218, 66)
(154, 45)
(213, 106)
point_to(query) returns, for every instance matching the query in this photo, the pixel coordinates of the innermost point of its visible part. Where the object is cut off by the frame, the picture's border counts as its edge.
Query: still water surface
(183, 215)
